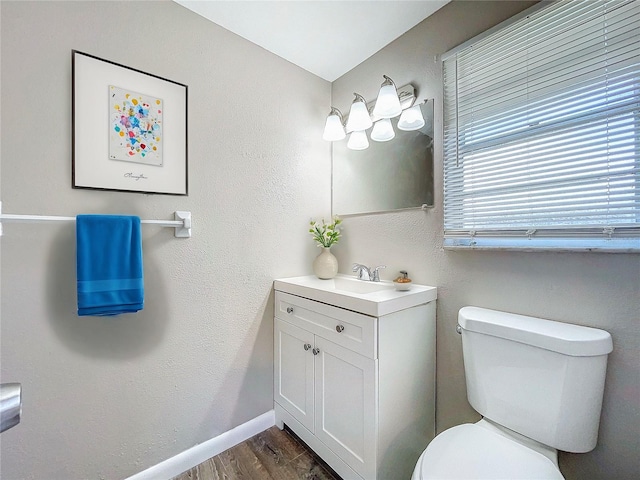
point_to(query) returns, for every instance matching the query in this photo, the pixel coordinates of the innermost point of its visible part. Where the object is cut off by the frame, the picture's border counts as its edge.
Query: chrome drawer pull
(316, 351)
(289, 309)
(307, 346)
(339, 328)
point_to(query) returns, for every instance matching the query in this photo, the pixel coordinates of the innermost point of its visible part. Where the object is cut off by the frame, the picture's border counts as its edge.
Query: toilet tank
(540, 378)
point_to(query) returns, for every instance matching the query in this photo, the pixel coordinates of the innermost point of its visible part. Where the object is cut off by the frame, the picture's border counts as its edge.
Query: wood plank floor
(271, 455)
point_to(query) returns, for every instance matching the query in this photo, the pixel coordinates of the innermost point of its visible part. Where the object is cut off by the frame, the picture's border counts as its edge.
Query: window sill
(608, 245)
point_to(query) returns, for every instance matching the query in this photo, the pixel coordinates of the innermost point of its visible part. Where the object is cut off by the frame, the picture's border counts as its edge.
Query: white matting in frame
(129, 129)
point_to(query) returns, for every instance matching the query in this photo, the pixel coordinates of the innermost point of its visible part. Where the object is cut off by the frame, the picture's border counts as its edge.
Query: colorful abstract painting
(135, 127)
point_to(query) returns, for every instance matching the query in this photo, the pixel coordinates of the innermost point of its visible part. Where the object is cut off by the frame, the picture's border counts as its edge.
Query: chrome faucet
(366, 274)
(363, 272)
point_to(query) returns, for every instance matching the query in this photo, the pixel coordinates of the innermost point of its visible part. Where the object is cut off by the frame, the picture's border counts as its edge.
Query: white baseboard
(199, 453)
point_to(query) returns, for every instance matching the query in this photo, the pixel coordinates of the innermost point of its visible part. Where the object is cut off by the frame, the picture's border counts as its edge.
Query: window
(542, 131)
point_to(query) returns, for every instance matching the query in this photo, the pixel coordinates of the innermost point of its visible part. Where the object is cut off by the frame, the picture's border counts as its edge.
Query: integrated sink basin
(370, 298)
(353, 285)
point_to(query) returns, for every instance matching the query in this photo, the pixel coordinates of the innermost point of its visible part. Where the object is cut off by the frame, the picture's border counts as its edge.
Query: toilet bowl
(477, 451)
(539, 386)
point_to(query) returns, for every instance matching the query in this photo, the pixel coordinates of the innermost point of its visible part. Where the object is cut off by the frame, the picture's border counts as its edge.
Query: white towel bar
(182, 222)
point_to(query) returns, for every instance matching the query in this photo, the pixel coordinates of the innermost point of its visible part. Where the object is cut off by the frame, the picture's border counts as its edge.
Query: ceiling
(327, 38)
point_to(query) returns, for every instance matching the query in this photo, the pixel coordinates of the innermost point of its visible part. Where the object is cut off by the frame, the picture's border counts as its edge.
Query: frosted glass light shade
(358, 140)
(411, 119)
(333, 128)
(388, 103)
(359, 118)
(382, 131)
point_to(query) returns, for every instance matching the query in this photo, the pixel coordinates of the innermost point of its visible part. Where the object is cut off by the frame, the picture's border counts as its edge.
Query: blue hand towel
(109, 264)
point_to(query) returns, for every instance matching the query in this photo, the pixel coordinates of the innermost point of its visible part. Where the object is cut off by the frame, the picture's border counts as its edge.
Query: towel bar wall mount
(181, 222)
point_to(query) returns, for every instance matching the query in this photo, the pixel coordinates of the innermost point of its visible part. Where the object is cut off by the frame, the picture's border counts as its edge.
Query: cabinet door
(346, 395)
(293, 376)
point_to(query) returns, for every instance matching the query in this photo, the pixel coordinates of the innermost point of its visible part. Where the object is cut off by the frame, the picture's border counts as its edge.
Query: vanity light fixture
(358, 140)
(359, 118)
(391, 102)
(388, 103)
(334, 128)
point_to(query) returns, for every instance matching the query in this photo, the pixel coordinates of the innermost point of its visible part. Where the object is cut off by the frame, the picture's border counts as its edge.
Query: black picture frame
(138, 147)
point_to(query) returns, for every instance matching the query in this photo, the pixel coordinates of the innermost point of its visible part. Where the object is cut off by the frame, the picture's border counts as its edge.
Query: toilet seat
(470, 451)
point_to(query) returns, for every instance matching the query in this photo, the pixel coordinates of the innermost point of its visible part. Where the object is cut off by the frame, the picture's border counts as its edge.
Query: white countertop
(345, 291)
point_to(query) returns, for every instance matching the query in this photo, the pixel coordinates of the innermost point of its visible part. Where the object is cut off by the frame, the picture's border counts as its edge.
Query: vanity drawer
(349, 329)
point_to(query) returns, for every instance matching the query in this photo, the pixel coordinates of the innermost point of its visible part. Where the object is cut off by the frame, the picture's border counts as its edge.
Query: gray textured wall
(599, 290)
(109, 397)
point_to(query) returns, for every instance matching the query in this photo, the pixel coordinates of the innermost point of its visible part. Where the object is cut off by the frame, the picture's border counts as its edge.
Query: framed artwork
(129, 129)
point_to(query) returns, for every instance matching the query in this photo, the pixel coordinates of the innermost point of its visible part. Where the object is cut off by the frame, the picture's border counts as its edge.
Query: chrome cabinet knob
(459, 329)
(339, 328)
(316, 351)
(289, 309)
(307, 346)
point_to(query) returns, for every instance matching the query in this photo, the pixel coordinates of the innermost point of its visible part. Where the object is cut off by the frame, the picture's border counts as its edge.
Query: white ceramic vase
(325, 266)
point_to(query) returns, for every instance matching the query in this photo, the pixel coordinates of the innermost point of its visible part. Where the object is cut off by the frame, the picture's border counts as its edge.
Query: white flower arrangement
(325, 234)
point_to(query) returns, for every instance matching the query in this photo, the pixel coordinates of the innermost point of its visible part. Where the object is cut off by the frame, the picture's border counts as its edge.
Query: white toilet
(538, 385)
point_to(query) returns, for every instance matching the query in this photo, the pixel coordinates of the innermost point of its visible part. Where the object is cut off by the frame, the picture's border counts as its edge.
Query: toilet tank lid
(565, 338)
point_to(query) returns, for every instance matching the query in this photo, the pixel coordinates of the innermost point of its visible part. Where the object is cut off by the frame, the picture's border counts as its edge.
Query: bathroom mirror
(391, 175)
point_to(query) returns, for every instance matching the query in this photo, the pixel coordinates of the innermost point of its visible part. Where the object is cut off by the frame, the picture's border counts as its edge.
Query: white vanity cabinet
(358, 389)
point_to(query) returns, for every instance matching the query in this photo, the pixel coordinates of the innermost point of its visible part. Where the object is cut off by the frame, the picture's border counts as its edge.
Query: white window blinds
(542, 131)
